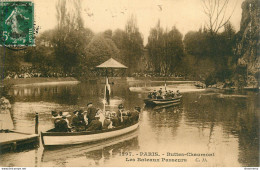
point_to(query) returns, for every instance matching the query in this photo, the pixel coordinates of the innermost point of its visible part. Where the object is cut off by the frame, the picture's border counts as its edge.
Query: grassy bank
(38, 80)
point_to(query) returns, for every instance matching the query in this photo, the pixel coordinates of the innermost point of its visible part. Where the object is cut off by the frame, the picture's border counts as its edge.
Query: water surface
(207, 121)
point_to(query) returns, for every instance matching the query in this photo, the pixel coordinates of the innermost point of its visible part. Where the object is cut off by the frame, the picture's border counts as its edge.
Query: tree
(213, 53)
(130, 44)
(155, 46)
(98, 50)
(133, 47)
(71, 38)
(217, 13)
(174, 49)
(165, 49)
(196, 44)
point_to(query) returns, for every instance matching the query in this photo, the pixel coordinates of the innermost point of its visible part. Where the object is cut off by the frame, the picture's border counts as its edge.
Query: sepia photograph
(129, 83)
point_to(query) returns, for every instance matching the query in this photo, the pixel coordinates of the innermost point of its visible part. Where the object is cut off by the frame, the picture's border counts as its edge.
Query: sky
(100, 15)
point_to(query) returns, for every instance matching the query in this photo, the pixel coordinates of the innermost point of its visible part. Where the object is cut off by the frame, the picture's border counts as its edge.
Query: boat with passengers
(163, 98)
(52, 138)
(126, 121)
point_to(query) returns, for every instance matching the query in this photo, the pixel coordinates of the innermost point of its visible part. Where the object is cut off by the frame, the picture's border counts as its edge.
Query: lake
(209, 128)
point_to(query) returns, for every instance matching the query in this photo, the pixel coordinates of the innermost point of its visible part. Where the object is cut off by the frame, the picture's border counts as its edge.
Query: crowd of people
(160, 94)
(154, 74)
(29, 72)
(94, 119)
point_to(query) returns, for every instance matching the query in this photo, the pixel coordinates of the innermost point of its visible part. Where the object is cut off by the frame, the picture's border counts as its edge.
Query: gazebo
(113, 64)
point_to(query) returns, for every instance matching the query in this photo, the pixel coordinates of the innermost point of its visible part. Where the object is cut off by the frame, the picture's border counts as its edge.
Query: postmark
(17, 23)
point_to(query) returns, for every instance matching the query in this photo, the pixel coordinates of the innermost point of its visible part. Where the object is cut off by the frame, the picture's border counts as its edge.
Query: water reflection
(236, 114)
(161, 118)
(206, 121)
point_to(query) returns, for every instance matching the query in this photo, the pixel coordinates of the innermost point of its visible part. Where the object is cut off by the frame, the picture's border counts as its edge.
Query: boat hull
(73, 138)
(162, 101)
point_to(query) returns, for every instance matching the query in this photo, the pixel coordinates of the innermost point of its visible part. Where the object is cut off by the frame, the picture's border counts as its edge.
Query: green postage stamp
(17, 23)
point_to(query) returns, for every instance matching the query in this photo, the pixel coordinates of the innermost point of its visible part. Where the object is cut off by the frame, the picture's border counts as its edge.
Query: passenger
(55, 117)
(170, 94)
(95, 124)
(154, 94)
(66, 115)
(81, 116)
(126, 119)
(61, 125)
(54, 114)
(178, 93)
(150, 95)
(107, 123)
(77, 121)
(85, 117)
(114, 119)
(165, 95)
(159, 96)
(119, 113)
(91, 112)
(135, 115)
(160, 92)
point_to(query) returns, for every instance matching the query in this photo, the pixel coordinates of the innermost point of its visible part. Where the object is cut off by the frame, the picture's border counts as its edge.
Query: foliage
(98, 50)
(130, 44)
(217, 48)
(165, 49)
(70, 38)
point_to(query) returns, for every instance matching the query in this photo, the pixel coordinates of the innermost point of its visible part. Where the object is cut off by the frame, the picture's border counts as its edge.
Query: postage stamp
(17, 23)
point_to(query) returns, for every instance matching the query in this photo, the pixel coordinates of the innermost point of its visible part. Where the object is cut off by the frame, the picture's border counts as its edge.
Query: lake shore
(40, 81)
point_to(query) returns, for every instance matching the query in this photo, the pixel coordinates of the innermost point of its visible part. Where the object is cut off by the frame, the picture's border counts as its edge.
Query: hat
(89, 103)
(75, 112)
(65, 114)
(138, 108)
(55, 114)
(120, 106)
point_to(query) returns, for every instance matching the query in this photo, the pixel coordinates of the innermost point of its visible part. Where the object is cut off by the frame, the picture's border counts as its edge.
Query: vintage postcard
(129, 83)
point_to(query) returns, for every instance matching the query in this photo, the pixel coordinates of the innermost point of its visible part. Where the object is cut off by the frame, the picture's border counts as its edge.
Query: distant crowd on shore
(29, 72)
(153, 74)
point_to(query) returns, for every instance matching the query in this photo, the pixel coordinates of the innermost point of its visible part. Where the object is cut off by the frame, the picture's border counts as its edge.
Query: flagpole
(165, 80)
(104, 101)
(105, 92)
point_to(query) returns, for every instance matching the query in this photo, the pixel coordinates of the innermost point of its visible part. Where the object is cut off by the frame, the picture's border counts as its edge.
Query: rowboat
(50, 138)
(163, 101)
(113, 146)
